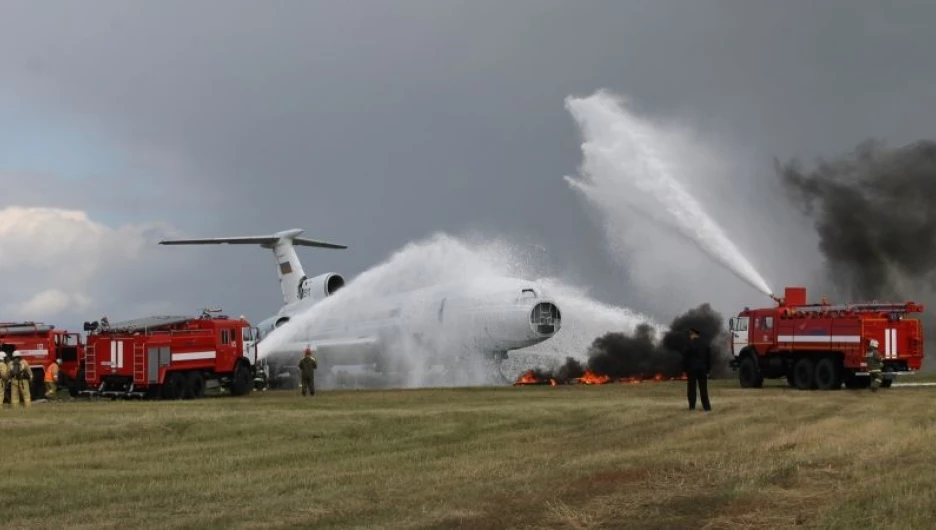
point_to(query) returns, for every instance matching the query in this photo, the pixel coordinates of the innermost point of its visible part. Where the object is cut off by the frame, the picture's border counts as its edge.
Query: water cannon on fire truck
(823, 345)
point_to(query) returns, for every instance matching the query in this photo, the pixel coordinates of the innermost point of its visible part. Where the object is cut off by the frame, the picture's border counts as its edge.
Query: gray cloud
(374, 124)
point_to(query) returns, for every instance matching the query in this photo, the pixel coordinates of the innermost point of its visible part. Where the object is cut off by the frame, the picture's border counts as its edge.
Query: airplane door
(739, 335)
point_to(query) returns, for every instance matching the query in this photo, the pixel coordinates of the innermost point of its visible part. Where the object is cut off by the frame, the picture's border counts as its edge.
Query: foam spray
(459, 266)
(630, 162)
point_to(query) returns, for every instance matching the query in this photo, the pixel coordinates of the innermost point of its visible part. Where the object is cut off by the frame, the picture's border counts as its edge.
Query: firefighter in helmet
(4, 376)
(307, 367)
(51, 378)
(875, 365)
(20, 379)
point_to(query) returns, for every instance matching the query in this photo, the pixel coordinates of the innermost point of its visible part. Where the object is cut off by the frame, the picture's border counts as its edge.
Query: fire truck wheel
(748, 374)
(804, 372)
(828, 374)
(241, 384)
(194, 385)
(174, 386)
(37, 386)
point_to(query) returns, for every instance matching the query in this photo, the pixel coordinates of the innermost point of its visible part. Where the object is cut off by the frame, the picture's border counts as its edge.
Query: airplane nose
(545, 318)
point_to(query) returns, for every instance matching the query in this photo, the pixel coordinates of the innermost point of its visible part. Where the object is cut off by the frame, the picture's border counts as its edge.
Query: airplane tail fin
(288, 267)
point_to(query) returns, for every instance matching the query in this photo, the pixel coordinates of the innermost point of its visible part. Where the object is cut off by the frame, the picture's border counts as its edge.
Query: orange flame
(528, 378)
(592, 378)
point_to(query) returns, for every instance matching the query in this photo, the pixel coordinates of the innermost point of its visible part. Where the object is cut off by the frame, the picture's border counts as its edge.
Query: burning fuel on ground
(641, 356)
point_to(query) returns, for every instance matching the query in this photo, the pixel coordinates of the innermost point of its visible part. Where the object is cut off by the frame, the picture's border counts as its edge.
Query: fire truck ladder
(869, 307)
(139, 364)
(90, 363)
(91, 370)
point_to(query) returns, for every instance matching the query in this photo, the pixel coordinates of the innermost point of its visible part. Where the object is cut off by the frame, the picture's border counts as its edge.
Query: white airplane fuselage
(487, 318)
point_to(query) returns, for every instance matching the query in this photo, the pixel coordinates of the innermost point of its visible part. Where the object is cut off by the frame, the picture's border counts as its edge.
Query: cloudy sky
(378, 123)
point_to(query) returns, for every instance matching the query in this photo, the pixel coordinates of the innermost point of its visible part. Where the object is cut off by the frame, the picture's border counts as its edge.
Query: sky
(374, 124)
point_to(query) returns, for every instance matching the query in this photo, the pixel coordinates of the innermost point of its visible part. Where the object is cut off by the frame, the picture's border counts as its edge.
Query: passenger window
(225, 338)
(768, 323)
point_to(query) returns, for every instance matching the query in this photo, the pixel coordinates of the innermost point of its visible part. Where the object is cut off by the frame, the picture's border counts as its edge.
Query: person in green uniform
(307, 366)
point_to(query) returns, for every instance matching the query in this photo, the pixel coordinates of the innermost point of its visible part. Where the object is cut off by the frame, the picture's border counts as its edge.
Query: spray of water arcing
(632, 166)
(419, 341)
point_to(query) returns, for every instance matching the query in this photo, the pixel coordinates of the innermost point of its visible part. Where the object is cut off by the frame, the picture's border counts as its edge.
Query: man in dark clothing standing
(697, 363)
(307, 367)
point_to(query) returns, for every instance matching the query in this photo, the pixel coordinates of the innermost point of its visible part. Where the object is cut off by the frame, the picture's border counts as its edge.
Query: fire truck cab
(821, 346)
(41, 345)
(170, 357)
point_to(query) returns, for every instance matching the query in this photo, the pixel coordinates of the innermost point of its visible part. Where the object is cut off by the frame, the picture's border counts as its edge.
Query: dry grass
(616, 456)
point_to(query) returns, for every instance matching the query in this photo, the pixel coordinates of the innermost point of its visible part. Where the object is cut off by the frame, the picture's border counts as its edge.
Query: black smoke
(572, 369)
(644, 355)
(874, 213)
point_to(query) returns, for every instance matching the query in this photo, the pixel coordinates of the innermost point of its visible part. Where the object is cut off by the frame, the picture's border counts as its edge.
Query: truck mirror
(730, 324)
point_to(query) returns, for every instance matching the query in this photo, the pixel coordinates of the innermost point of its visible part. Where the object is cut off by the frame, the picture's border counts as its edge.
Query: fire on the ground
(589, 378)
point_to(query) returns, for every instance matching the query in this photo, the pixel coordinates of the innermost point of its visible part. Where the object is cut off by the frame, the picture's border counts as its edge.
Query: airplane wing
(251, 240)
(330, 352)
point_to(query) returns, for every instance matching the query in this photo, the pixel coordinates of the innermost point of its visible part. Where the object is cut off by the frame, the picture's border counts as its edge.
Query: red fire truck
(170, 357)
(821, 346)
(41, 345)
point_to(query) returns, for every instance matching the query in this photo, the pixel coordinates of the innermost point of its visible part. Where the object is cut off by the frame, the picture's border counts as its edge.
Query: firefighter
(51, 378)
(697, 362)
(875, 365)
(307, 367)
(4, 376)
(20, 379)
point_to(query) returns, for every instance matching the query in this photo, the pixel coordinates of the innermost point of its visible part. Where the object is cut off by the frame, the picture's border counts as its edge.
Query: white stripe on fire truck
(113, 346)
(894, 343)
(819, 338)
(34, 353)
(120, 354)
(193, 356)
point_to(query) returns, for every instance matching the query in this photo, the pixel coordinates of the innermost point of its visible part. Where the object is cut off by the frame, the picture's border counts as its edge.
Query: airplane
(453, 324)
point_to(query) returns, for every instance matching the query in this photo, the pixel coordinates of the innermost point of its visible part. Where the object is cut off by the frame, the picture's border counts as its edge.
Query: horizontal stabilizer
(288, 267)
(269, 240)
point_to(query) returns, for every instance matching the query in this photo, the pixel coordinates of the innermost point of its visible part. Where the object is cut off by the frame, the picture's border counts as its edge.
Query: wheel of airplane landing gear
(494, 373)
(804, 374)
(828, 374)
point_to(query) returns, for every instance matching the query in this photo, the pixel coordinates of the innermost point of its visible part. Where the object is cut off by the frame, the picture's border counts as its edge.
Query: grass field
(613, 456)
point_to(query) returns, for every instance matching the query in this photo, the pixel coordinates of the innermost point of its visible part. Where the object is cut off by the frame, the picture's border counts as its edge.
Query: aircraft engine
(321, 286)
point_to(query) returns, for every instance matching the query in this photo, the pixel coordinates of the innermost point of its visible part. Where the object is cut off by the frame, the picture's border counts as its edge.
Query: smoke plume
(874, 217)
(642, 354)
